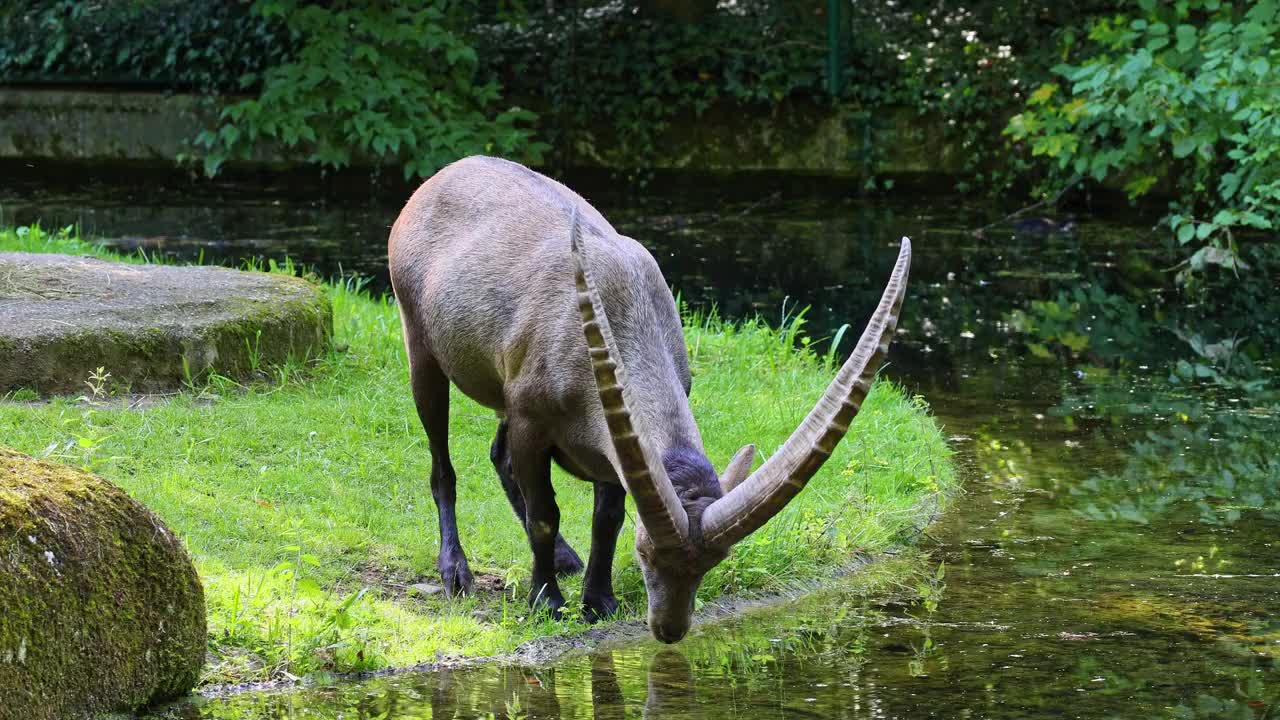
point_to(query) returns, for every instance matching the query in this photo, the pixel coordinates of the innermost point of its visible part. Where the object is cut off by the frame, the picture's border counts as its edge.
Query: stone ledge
(150, 326)
(794, 136)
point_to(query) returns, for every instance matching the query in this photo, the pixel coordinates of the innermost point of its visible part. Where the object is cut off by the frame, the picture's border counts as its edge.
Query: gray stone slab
(150, 326)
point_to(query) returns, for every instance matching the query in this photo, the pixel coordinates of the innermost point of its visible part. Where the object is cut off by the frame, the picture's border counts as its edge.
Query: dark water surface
(1116, 553)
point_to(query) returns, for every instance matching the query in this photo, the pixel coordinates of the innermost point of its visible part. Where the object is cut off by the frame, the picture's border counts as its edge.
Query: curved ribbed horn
(738, 469)
(656, 502)
(784, 475)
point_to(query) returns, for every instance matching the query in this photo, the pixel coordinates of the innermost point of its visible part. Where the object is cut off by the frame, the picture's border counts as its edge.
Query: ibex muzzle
(515, 289)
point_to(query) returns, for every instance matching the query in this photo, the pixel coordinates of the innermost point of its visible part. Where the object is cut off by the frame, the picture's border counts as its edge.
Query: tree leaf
(1184, 146)
(1186, 35)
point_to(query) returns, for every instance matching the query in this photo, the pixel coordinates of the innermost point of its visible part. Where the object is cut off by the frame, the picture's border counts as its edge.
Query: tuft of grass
(35, 239)
(306, 505)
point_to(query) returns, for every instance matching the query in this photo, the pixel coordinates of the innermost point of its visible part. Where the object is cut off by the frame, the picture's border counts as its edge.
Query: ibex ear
(738, 469)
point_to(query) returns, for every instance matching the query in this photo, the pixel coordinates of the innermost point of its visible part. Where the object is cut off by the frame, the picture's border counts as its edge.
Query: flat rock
(425, 589)
(151, 326)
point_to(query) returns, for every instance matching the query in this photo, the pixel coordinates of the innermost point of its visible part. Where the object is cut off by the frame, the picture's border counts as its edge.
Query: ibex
(515, 289)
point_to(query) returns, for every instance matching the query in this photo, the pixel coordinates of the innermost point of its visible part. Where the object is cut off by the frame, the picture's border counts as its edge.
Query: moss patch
(102, 608)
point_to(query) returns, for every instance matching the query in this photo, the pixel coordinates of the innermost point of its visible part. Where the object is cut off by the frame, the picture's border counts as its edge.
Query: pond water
(1116, 552)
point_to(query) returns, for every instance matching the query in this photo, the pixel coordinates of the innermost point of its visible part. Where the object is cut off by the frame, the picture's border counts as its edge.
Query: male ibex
(515, 289)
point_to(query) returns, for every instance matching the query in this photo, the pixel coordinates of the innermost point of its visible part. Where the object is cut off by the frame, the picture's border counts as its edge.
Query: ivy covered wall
(561, 81)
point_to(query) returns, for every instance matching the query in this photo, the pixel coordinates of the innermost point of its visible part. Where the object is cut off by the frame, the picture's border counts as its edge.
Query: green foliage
(1189, 88)
(35, 239)
(609, 69)
(370, 80)
(205, 46)
(966, 65)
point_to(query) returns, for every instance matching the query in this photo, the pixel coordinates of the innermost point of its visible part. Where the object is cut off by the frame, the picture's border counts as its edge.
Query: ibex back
(515, 289)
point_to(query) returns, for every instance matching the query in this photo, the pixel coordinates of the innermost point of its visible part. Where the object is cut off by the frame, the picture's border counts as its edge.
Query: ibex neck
(657, 400)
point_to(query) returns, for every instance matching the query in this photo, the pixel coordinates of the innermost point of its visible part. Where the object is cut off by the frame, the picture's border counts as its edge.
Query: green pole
(835, 54)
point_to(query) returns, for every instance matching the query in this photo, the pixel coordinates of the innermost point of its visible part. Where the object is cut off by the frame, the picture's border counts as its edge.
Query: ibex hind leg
(431, 395)
(567, 561)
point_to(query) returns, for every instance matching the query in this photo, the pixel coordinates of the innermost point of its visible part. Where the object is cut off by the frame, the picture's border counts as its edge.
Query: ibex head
(690, 517)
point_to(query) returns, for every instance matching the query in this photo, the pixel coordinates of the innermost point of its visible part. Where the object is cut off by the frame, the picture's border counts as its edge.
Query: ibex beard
(516, 290)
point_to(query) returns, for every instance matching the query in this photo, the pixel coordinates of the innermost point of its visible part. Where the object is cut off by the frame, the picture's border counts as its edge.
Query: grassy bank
(306, 505)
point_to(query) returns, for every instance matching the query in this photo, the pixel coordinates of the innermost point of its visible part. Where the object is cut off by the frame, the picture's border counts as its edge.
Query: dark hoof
(547, 598)
(456, 576)
(567, 561)
(599, 607)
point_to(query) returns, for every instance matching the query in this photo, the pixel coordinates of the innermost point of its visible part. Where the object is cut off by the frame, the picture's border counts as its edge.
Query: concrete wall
(155, 128)
(99, 126)
(790, 137)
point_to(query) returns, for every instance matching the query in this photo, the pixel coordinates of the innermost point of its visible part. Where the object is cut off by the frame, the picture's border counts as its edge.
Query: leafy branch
(1182, 90)
(371, 81)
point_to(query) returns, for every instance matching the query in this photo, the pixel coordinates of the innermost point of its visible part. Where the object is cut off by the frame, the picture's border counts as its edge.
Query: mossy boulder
(100, 607)
(151, 326)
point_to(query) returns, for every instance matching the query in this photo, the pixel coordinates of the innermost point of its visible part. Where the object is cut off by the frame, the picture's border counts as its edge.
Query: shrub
(1187, 88)
(368, 78)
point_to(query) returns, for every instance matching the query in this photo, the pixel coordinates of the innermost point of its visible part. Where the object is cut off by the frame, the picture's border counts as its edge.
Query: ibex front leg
(531, 468)
(597, 589)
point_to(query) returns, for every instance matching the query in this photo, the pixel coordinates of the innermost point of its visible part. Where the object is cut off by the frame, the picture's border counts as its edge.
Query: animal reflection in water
(531, 693)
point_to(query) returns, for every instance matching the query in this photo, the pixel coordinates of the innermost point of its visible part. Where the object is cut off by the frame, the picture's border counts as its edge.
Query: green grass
(306, 506)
